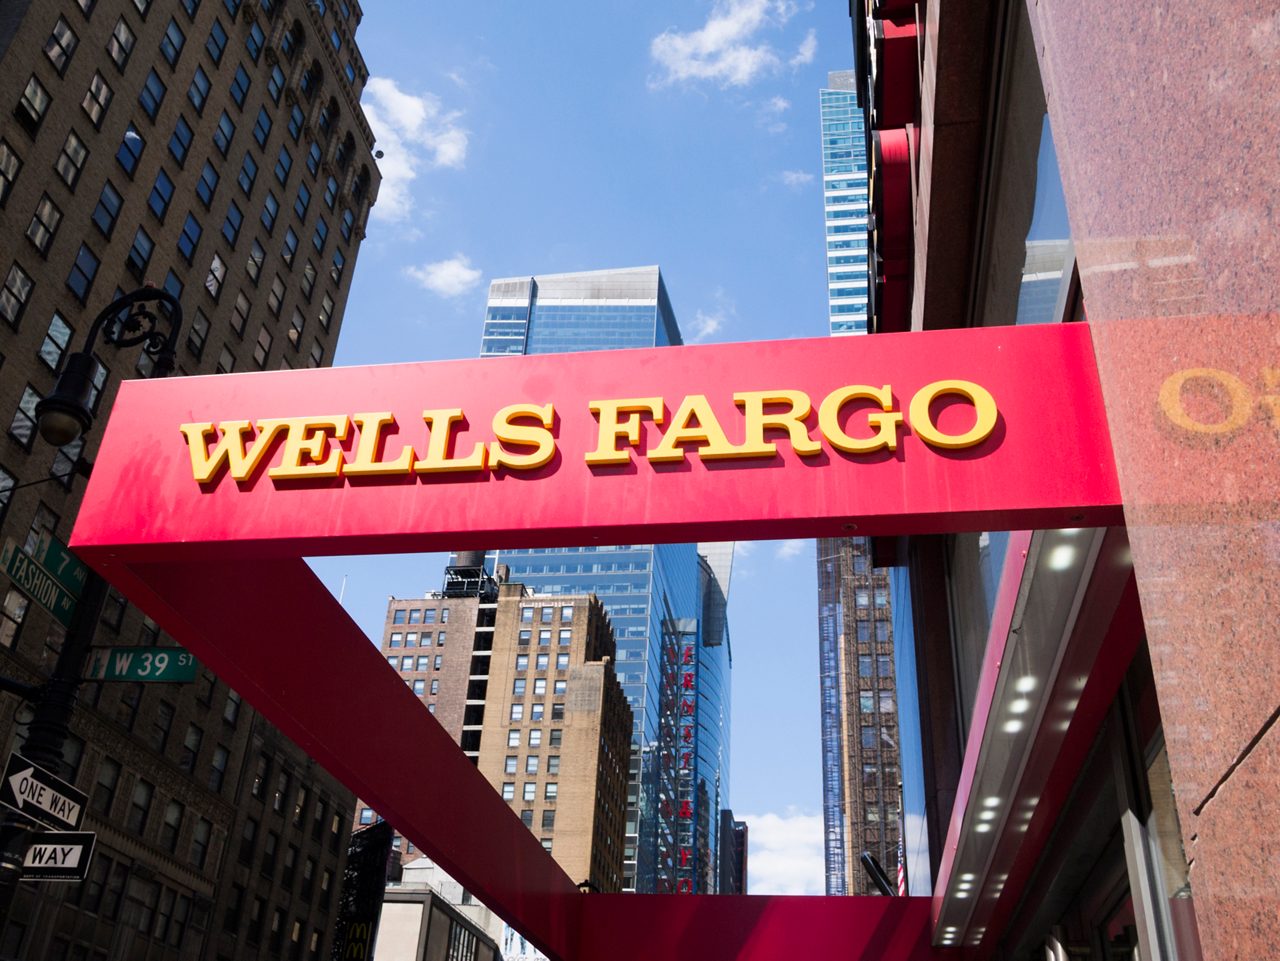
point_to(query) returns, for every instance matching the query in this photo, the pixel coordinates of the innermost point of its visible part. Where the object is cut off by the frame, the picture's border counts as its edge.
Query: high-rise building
(844, 195)
(666, 606)
(860, 804)
(525, 683)
(217, 150)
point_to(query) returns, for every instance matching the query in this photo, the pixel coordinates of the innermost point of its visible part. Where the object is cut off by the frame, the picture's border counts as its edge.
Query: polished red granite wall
(1166, 117)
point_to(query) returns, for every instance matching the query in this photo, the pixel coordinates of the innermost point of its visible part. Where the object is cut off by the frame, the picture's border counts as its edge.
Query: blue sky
(539, 138)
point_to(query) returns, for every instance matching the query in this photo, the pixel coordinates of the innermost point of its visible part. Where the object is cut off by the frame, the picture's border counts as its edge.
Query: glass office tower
(844, 192)
(860, 738)
(666, 602)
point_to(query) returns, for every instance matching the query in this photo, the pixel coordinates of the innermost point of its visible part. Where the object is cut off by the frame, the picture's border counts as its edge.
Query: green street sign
(37, 583)
(56, 558)
(156, 664)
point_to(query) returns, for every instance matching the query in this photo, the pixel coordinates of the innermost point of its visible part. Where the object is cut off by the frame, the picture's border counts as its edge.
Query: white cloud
(795, 179)
(725, 49)
(806, 51)
(785, 853)
(415, 133)
(708, 323)
(788, 550)
(743, 549)
(448, 278)
(769, 114)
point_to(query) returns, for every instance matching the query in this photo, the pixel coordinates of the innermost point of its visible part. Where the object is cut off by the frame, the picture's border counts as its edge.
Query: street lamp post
(62, 417)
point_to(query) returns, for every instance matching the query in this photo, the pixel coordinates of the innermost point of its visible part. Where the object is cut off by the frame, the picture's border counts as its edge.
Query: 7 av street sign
(58, 856)
(34, 792)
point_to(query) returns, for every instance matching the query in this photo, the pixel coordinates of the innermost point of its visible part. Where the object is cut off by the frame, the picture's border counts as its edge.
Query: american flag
(902, 868)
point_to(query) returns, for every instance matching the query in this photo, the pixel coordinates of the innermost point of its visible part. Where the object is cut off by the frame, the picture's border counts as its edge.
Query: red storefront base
(219, 567)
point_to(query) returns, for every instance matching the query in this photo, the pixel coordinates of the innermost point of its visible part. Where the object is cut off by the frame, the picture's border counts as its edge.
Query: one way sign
(31, 790)
(58, 856)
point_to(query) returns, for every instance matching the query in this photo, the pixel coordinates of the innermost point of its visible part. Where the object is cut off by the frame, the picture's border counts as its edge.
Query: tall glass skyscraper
(860, 793)
(666, 601)
(844, 191)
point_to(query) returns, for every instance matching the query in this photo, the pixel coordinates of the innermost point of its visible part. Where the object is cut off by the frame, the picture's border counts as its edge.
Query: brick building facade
(216, 149)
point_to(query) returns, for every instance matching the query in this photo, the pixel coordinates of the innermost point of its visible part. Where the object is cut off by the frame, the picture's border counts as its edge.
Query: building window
(284, 163)
(161, 195)
(508, 791)
(327, 306)
(180, 142)
(61, 45)
(270, 211)
(12, 614)
(556, 737)
(217, 274)
(152, 94)
(262, 127)
(223, 134)
(231, 225)
(240, 313)
(140, 253)
(189, 238)
(321, 235)
(198, 92)
(130, 150)
(33, 105)
(83, 271)
(96, 100)
(439, 661)
(296, 120)
(139, 806)
(542, 661)
(172, 42)
(248, 173)
(104, 787)
(275, 297)
(517, 712)
(262, 348)
(313, 158)
(253, 267)
(15, 294)
(70, 161)
(56, 339)
(7, 483)
(240, 84)
(200, 836)
(331, 192)
(424, 662)
(275, 85)
(531, 764)
(551, 791)
(120, 45)
(530, 792)
(217, 42)
(10, 165)
(553, 764)
(517, 687)
(522, 662)
(171, 825)
(231, 711)
(290, 247)
(548, 824)
(557, 712)
(302, 203)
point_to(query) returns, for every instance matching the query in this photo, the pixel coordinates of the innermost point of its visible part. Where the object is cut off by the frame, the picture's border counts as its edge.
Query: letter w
(229, 450)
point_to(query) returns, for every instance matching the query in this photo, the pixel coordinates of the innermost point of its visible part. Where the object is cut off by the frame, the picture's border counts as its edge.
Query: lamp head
(64, 414)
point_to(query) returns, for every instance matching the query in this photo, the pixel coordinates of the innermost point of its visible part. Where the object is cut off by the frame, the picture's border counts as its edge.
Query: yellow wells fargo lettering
(856, 419)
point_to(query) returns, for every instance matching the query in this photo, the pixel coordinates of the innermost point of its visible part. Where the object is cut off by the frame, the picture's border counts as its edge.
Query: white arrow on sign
(27, 788)
(65, 856)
